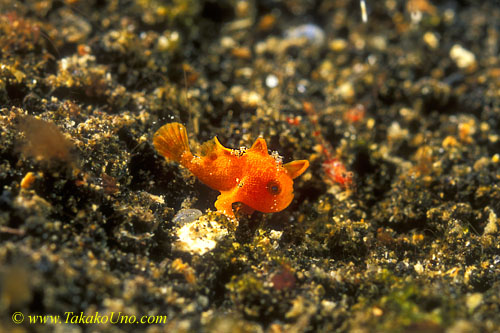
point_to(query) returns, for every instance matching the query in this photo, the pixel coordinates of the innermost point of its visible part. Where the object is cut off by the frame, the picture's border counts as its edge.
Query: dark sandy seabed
(87, 206)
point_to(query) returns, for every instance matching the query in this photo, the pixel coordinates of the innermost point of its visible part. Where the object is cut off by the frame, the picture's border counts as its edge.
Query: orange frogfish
(252, 177)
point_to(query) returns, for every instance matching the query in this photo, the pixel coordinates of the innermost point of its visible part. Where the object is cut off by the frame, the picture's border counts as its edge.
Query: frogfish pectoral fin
(224, 203)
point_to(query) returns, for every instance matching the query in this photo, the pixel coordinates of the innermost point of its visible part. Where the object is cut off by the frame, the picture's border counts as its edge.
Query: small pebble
(186, 216)
(272, 81)
(431, 40)
(314, 34)
(464, 59)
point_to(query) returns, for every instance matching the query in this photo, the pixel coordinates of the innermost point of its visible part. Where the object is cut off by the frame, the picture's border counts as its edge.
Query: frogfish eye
(273, 187)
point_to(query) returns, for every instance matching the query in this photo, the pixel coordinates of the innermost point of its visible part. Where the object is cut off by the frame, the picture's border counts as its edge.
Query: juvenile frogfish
(252, 177)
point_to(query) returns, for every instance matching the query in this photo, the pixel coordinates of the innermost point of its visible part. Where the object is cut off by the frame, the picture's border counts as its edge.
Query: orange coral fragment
(28, 180)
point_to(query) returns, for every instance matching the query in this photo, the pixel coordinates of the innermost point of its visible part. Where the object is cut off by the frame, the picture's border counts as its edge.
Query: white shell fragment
(200, 236)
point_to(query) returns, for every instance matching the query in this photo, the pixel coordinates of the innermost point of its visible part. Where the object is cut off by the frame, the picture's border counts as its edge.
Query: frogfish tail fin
(171, 141)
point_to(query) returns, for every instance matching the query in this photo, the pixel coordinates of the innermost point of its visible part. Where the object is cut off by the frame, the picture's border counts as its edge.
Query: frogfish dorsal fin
(259, 146)
(296, 168)
(213, 147)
